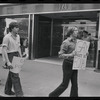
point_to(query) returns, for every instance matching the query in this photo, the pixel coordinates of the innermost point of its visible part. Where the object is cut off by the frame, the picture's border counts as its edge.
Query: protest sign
(81, 54)
(17, 63)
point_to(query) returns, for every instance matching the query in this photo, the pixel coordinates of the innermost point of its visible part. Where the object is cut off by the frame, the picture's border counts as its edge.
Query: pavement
(39, 78)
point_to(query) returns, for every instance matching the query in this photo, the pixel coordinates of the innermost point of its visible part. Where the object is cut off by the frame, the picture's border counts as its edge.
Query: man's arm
(63, 48)
(94, 38)
(4, 51)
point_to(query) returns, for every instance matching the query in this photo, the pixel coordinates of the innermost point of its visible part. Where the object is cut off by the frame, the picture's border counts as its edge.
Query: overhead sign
(64, 6)
(81, 54)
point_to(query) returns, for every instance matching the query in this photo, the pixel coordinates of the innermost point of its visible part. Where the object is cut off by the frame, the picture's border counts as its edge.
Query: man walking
(11, 48)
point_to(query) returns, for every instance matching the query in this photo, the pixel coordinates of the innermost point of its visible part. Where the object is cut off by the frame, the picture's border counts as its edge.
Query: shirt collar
(12, 36)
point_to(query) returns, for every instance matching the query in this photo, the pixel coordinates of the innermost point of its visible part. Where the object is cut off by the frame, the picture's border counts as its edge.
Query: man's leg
(74, 87)
(8, 85)
(67, 72)
(16, 83)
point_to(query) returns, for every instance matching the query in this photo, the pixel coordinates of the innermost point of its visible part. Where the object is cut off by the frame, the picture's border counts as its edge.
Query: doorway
(43, 37)
(49, 41)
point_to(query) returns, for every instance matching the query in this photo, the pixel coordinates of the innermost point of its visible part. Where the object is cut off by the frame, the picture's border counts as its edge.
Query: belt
(68, 60)
(12, 52)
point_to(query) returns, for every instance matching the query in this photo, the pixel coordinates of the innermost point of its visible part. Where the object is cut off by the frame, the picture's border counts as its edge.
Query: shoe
(19, 96)
(10, 93)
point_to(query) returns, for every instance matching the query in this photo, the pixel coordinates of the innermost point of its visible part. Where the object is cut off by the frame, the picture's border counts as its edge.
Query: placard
(17, 63)
(81, 54)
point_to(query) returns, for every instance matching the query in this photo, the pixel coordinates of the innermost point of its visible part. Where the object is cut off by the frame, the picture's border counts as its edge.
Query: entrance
(51, 27)
(43, 37)
(90, 27)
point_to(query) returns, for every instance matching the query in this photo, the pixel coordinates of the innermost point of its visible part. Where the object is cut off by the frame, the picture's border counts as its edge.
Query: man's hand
(87, 53)
(99, 38)
(9, 65)
(74, 53)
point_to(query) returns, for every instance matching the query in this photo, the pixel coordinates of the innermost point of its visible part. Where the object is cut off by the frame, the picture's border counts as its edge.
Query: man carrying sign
(11, 48)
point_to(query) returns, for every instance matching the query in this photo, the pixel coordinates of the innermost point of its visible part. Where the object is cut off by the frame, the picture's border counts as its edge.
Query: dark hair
(70, 31)
(89, 33)
(85, 31)
(80, 34)
(12, 25)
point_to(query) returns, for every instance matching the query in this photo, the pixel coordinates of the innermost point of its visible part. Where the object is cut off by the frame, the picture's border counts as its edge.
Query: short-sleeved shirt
(11, 43)
(67, 47)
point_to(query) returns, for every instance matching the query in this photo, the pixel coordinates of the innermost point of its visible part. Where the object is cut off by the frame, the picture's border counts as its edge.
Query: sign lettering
(64, 6)
(80, 57)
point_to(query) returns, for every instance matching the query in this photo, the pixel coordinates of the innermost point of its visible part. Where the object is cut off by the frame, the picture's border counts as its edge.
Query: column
(98, 44)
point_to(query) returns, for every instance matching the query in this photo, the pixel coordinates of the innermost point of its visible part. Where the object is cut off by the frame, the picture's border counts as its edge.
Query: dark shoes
(19, 96)
(13, 93)
(10, 93)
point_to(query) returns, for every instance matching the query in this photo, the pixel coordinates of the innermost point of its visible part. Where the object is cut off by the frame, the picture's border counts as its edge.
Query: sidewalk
(38, 79)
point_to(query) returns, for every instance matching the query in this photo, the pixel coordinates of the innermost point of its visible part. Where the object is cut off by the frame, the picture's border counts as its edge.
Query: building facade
(45, 25)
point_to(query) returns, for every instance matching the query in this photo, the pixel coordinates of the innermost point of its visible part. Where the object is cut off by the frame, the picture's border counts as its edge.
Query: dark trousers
(68, 74)
(13, 79)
